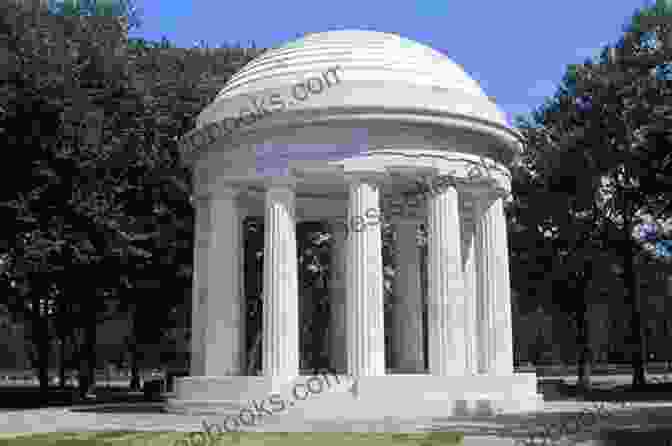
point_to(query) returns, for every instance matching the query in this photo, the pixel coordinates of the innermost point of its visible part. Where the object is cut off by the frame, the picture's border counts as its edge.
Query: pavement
(648, 423)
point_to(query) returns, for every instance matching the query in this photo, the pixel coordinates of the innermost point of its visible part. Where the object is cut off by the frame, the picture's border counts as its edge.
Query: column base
(367, 398)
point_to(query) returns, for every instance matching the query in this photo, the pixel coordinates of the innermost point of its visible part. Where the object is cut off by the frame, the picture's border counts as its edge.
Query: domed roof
(363, 56)
(374, 55)
(375, 77)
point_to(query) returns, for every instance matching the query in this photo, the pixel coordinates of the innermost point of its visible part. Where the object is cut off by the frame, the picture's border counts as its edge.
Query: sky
(517, 50)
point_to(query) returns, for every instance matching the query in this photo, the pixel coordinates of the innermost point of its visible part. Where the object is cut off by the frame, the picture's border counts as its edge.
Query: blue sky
(517, 50)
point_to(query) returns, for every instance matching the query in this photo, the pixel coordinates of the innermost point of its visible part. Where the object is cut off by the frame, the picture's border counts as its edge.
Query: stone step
(205, 407)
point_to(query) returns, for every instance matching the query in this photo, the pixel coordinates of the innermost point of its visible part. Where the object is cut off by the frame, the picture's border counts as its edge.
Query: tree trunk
(87, 364)
(637, 338)
(62, 362)
(40, 338)
(64, 330)
(585, 352)
(135, 384)
(584, 364)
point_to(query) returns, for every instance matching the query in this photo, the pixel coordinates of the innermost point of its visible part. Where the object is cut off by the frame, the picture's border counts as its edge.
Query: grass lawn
(240, 439)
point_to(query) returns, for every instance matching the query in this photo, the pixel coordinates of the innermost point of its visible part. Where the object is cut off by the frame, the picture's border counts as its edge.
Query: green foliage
(639, 24)
(597, 160)
(89, 7)
(94, 195)
(238, 438)
(97, 8)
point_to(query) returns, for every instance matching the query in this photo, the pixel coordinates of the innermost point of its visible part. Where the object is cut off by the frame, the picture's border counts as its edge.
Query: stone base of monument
(371, 397)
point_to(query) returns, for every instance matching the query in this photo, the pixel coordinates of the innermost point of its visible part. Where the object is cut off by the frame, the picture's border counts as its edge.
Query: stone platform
(342, 397)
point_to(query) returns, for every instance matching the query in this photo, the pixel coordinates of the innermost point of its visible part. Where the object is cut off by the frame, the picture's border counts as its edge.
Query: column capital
(286, 182)
(434, 184)
(200, 199)
(338, 224)
(483, 198)
(399, 207)
(371, 176)
(226, 192)
(399, 220)
(483, 188)
(481, 192)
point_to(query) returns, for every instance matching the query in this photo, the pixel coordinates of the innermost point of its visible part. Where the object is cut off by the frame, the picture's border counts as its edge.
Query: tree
(108, 200)
(603, 143)
(62, 71)
(125, 10)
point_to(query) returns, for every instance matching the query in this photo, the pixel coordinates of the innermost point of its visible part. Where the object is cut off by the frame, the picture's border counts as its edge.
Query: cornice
(297, 118)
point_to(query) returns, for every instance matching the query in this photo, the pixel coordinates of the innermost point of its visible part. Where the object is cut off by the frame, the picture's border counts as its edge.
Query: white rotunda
(339, 126)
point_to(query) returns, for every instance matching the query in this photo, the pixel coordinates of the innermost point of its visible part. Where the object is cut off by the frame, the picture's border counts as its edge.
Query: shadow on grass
(558, 390)
(145, 408)
(623, 424)
(25, 397)
(252, 438)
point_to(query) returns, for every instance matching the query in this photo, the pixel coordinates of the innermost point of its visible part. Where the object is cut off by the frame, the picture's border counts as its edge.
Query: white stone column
(407, 324)
(470, 338)
(280, 294)
(218, 320)
(445, 294)
(364, 294)
(202, 229)
(241, 285)
(484, 288)
(337, 284)
(495, 337)
(503, 354)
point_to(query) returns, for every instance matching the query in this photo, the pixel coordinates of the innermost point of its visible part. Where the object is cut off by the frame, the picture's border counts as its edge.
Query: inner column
(469, 270)
(281, 296)
(364, 296)
(407, 323)
(445, 294)
(337, 336)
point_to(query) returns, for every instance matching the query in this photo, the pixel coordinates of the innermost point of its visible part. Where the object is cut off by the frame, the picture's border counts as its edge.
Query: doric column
(445, 294)
(493, 288)
(337, 284)
(364, 293)
(280, 294)
(202, 229)
(241, 284)
(503, 354)
(484, 237)
(218, 328)
(407, 324)
(469, 268)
